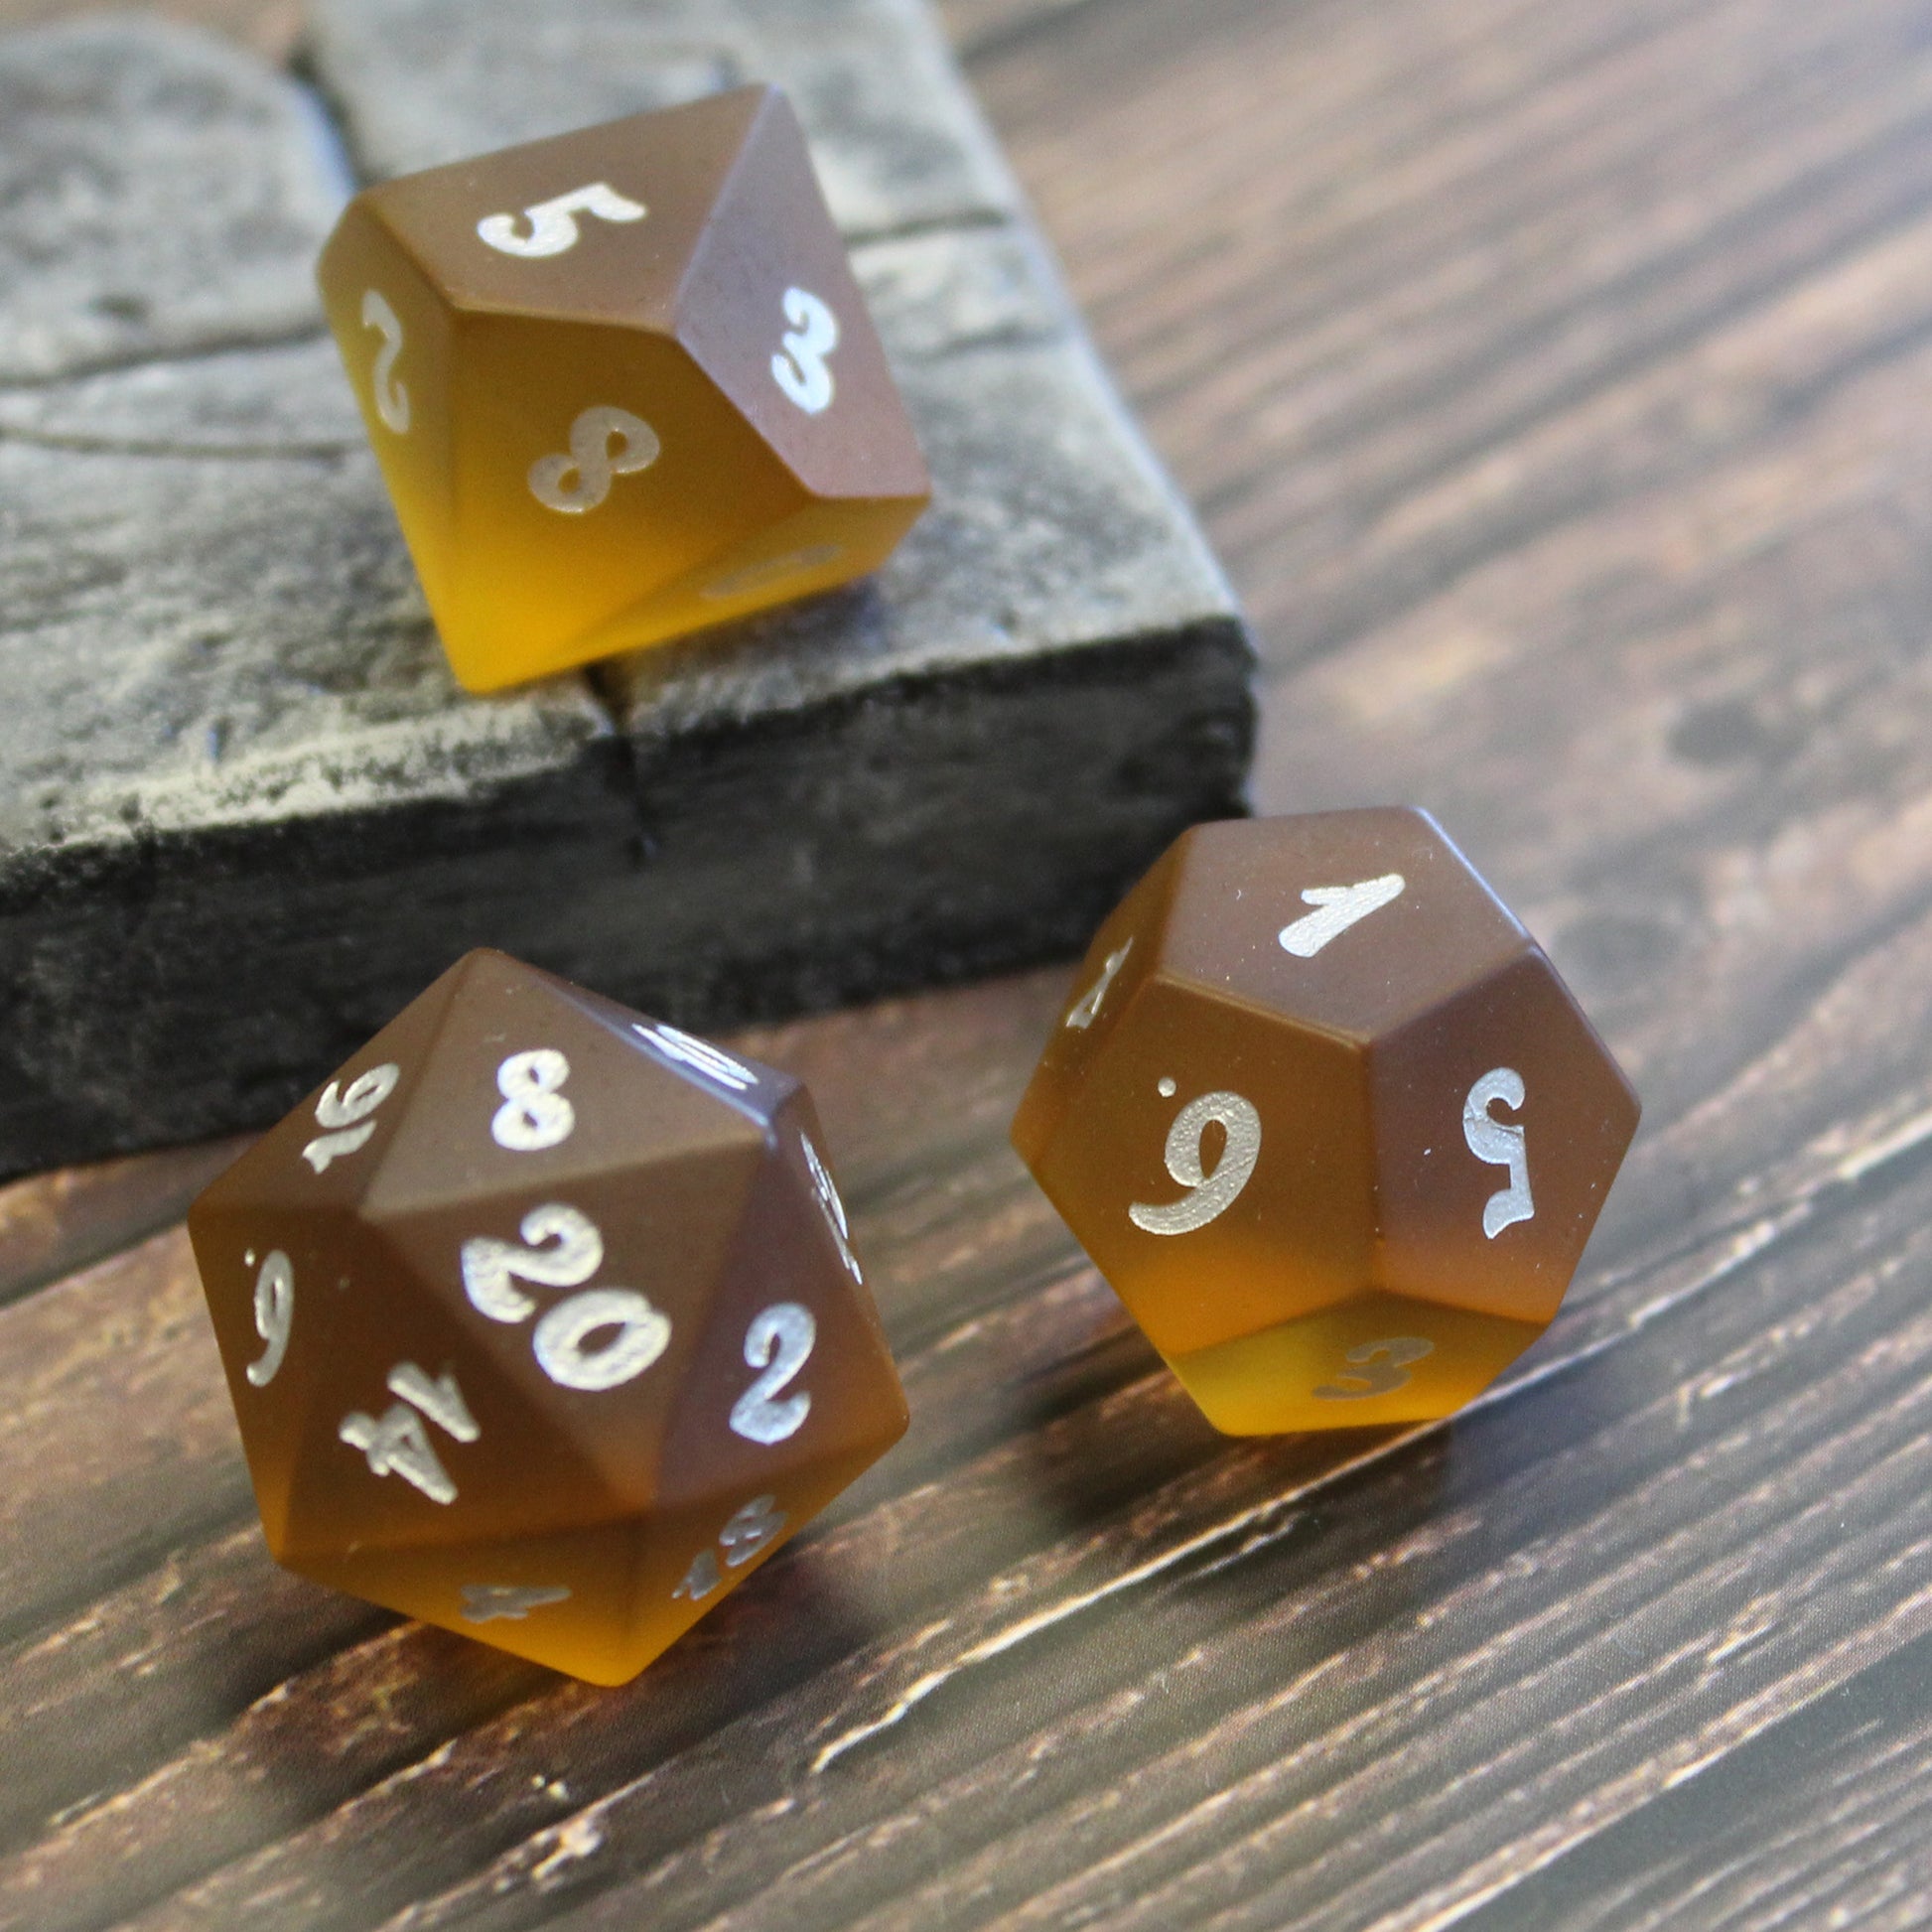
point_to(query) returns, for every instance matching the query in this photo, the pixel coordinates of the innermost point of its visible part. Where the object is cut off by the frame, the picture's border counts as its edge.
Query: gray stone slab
(197, 222)
(897, 138)
(240, 797)
(244, 812)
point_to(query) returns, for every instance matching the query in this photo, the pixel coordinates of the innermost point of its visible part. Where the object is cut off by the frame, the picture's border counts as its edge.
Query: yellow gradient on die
(1375, 1360)
(622, 385)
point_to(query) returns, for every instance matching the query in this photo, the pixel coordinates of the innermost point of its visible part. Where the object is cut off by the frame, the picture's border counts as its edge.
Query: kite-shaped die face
(542, 1321)
(1325, 1117)
(622, 385)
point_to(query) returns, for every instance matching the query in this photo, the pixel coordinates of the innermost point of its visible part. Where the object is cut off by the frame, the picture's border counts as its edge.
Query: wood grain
(1553, 379)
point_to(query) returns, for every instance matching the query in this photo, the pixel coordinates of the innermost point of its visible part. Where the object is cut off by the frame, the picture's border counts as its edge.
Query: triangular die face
(326, 1152)
(418, 1435)
(747, 1085)
(793, 1377)
(770, 284)
(600, 1603)
(1351, 922)
(594, 465)
(590, 1296)
(564, 1598)
(276, 1280)
(527, 1092)
(547, 228)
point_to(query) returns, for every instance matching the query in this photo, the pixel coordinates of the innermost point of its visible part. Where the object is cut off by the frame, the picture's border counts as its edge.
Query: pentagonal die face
(622, 385)
(565, 1322)
(1243, 1117)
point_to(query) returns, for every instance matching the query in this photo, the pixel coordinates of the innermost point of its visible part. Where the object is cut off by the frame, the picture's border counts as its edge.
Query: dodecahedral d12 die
(622, 385)
(1326, 1119)
(542, 1321)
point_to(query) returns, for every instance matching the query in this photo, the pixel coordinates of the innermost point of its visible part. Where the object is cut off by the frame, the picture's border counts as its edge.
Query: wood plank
(58, 1222)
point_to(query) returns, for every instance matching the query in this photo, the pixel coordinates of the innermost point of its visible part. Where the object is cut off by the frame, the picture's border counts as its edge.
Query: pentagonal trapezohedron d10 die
(542, 1321)
(622, 385)
(1300, 1110)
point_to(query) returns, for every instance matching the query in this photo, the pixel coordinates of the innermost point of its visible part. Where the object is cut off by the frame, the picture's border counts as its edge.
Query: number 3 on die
(800, 368)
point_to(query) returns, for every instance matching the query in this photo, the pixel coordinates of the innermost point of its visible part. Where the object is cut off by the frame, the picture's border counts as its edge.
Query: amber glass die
(1327, 1120)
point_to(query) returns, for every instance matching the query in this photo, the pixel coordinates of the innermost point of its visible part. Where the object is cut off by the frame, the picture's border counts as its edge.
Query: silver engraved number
(699, 1055)
(346, 1114)
(274, 1316)
(485, 1603)
(553, 223)
(746, 1532)
(1212, 1194)
(1086, 1009)
(1370, 1374)
(489, 1265)
(1501, 1143)
(761, 576)
(391, 398)
(831, 1207)
(563, 1248)
(593, 461)
(800, 368)
(641, 1335)
(1341, 908)
(700, 1580)
(534, 1114)
(397, 1444)
(779, 1341)
(749, 1530)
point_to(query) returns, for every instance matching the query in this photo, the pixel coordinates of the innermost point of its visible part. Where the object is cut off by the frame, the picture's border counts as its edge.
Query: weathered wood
(257, 754)
(1644, 1640)
(58, 1222)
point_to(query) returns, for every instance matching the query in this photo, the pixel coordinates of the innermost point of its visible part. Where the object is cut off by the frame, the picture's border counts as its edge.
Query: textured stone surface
(158, 191)
(245, 814)
(895, 138)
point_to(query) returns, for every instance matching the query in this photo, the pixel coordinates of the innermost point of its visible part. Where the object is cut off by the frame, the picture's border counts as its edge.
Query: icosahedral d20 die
(622, 385)
(1326, 1119)
(542, 1321)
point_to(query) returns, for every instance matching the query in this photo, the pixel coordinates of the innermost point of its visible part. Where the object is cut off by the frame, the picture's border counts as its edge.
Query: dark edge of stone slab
(1045, 790)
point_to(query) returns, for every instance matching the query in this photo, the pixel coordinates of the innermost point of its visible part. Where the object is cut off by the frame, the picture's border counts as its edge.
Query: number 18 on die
(1325, 1117)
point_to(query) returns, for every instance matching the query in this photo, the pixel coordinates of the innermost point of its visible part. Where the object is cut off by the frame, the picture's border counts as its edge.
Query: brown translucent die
(540, 1314)
(622, 385)
(1327, 1120)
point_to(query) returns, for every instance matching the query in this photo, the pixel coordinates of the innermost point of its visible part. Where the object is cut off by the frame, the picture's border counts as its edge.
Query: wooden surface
(1556, 382)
